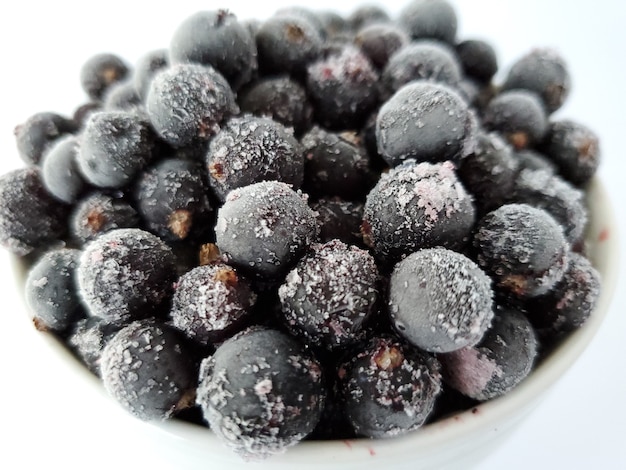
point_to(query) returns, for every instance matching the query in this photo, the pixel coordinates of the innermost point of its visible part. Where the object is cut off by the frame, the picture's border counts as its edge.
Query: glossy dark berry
(498, 363)
(440, 300)
(340, 220)
(279, 98)
(251, 149)
(146, 68)
(98, 213)
(50, 291)
(478, 59)
(30, 217)
(523, 248)
(122, 96)
(59, 170)
(172, 199)
(364, 15)
(261, 392)
(426, 122)
(574, 148)
(114, 147)
(187, 103)
(543, 72)
(265, 227)
(100, 72)
(335, 165)
(330, 294)
(343, 89)
(217, 39)
(210, 303)
(420, 60)
(564, 202)
(38, 132)
(489, 172)
(88, 338)
(379, 41)
(417, 206)
(287, 44)
(388, 388)
(519, 116)
(569, 304)
(435, 19)
(148, 370)
(125, 274)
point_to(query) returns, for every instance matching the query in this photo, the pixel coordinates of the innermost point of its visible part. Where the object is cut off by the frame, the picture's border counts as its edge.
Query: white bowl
(458, 441)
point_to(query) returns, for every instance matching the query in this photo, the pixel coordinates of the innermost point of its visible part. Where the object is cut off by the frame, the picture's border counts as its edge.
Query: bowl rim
(602, 239)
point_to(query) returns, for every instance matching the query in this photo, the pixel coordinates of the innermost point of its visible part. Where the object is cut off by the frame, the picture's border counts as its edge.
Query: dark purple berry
(435, 19)
(146, 68)
(148, 370)
(440, 300)
(51, 293)
(210, 303)
(365, 15)
(261, 392)
(114, 147)
(100, 72)
(34, 137)
(122, 96)
(379, 41)
(59, 170)
(532, 160)
(334, 24)
(478, 59)
(187, 102)
(339, 220)
(498, 363)
(388, 388)
(88, 338)
(523, 248)
(125, 274)
(30, 217)
(82, 113)
(217, 39)
(252, 149)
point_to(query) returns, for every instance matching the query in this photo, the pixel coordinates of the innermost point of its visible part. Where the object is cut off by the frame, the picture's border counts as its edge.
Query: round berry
(59, 170)
(478, 59)
(379, 41)
(146, 68)
(100, 72)
(434, 19)
(34, 137)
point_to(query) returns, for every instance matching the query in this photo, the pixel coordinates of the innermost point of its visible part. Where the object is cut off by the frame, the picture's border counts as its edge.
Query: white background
(49, 418)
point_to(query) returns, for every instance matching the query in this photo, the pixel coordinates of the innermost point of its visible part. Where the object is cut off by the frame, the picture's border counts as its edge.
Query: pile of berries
(308, 227)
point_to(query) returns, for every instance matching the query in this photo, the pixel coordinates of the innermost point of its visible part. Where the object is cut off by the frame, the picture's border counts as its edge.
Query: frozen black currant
(365, 15)
(251, 149)
(420, 60)
(426, 122)
(343, 88)
(310, 15)
(146, 68)
(435, 19)
(210, 303)
(498, 363)
(172, 199)
(122, 96)
(489, 172)
(187, 102)
(82, 113)
(335, 165)
(340, 220)
(523, 248)
(530, 159)
(30, 217)
(564, 202)
(333, 23)
(88, 338)
(519, 116)
(125, 274)
(217, 39)
(59, 170)
(98, 213)
(146, 367)
(440, 300)
(569, 304)
(287, 44)
(417, 206)
(279, 98)
(379, 41)
(51, 291)
(478, 59)
(100, 72)
(543, 72)
(38, 132)
(261, 392)
(330, 294)
(265, 227)
(388, 388)
(574, 148)
(114, 147)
